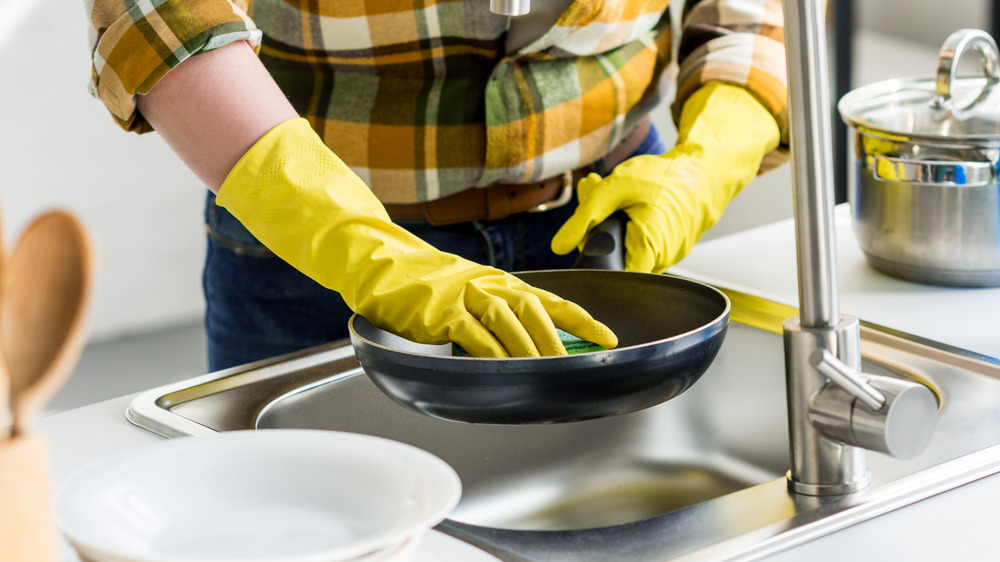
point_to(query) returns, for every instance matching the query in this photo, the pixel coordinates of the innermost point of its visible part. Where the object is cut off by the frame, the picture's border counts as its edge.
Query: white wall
(921, 21)
(60, 148)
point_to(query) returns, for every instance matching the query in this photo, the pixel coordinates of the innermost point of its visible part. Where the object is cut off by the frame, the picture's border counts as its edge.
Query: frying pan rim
(714, 323)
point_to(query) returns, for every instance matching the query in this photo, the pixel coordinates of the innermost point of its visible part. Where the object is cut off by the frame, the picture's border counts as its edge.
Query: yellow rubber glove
(672, 199)
(311, 210)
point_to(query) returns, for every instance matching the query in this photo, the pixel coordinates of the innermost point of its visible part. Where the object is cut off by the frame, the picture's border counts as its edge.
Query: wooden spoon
(4, 376)
(43, 303)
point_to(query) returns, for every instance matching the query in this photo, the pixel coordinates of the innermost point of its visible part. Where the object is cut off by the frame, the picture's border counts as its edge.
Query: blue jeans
(258, 306)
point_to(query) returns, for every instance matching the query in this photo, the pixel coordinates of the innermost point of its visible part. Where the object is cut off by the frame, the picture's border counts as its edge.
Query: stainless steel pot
(924, 192)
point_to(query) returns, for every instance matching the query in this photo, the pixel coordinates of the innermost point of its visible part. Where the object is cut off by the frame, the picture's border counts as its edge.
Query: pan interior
(638, 307)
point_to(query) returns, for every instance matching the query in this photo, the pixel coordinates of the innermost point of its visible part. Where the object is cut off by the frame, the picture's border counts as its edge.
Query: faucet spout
(510, 7)
(811, 131)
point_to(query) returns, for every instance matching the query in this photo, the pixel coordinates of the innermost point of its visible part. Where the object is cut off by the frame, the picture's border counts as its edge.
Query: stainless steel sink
(698, 477)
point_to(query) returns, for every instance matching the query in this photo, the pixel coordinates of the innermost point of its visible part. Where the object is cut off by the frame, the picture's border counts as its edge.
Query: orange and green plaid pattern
(421, 98)
(135, 43)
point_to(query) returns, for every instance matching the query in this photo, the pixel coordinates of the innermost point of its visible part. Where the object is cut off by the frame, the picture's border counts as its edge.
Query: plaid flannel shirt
(422, 100)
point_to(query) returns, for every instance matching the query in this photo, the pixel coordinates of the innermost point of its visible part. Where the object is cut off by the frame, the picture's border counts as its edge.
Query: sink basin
(698, 477)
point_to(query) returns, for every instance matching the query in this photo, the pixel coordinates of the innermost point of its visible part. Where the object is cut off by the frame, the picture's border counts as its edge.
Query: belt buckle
(564, 195)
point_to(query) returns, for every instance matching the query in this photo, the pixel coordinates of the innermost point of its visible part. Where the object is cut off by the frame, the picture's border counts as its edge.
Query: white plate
(255, 496)
(403, 552)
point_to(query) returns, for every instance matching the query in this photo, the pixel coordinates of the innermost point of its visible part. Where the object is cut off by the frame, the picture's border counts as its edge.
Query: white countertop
(958, 525)
(761, 261)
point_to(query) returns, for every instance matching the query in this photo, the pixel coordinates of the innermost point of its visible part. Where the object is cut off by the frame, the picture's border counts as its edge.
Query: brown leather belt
(504, 199)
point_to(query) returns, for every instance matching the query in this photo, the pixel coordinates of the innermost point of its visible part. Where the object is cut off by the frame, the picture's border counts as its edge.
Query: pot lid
(944, 106)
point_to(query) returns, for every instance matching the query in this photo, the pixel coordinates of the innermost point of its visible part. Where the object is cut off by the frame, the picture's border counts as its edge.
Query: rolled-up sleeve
(134, 43)
(739, 42)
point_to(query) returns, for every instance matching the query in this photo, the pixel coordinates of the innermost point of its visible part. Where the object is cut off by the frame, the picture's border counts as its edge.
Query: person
(399, 159)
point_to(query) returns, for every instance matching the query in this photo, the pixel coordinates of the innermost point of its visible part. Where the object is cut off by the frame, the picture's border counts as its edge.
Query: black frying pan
(669, 330)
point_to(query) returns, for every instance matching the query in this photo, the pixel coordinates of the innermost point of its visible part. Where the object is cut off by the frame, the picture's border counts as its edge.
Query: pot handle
(956, 45)
(933, 172)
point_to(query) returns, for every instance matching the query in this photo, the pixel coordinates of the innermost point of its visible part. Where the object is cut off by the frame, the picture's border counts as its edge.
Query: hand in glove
(672, 199)
(311, 210)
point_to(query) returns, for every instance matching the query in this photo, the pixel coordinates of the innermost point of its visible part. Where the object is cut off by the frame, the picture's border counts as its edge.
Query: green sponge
(573, 345)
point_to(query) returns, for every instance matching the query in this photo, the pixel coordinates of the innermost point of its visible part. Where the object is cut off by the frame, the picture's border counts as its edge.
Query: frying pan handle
(604, 248)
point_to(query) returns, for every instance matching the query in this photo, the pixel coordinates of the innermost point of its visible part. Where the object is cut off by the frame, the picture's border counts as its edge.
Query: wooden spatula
(43, 304)
(44, 292)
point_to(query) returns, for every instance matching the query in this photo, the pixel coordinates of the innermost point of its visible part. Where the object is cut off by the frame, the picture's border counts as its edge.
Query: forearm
(213, 107)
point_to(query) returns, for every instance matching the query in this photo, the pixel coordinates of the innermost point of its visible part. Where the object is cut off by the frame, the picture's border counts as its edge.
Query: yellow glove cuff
(277, 191)
(288, 159)
(732, 127)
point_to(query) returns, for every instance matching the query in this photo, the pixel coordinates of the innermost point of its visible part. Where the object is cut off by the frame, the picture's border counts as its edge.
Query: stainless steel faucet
(510, 7)
(835, 411)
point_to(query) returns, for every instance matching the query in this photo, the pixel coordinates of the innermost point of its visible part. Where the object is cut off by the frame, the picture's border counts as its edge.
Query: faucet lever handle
(847, 378)
(898, 416)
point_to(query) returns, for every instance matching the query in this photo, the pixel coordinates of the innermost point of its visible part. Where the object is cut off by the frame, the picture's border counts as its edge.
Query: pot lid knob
(956, 45)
